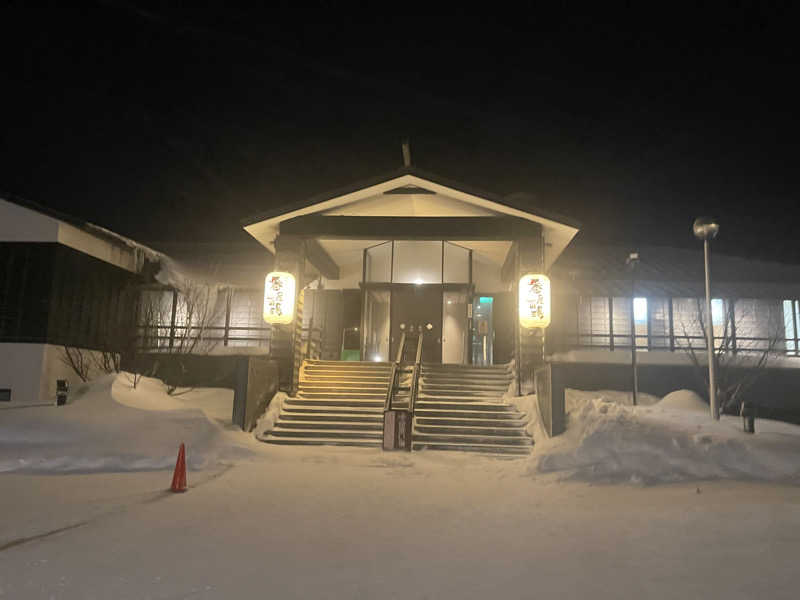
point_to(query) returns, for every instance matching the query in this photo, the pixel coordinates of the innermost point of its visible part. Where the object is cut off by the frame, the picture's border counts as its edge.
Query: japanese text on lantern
(534, 301)
(279, 290)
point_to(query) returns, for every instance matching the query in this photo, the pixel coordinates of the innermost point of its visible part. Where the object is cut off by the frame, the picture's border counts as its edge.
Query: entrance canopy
(408, 205)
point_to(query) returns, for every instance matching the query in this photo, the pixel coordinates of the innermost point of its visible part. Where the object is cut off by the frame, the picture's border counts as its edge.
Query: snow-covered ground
(341, 524)
(109, 426)
(326, 522)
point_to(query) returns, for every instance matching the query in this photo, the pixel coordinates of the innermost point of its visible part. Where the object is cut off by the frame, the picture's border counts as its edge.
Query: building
(409, 249)
(63, 284)
(375, 265)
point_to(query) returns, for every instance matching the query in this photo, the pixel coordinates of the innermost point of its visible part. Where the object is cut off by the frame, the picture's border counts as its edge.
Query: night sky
(176, 123)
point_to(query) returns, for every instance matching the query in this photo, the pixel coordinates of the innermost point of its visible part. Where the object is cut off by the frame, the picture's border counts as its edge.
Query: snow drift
(671, 440)
(108, 426)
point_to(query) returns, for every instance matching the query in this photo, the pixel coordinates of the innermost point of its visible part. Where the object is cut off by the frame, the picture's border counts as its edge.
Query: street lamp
(632, 262)
(705, 228)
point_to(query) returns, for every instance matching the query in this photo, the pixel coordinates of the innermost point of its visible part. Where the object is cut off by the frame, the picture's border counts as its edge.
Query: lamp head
(705, 228)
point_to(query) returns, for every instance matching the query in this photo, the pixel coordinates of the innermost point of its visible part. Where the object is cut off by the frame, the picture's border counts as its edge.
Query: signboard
(534, 301)
(279, 292)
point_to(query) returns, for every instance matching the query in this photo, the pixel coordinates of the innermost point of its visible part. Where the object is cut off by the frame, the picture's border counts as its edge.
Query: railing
(678, 342)
(412, 400)
(395, 373)
(311, 337)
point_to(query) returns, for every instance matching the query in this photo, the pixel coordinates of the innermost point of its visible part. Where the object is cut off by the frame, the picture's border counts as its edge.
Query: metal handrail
(412, 399)
(401, 348)
(387, 405)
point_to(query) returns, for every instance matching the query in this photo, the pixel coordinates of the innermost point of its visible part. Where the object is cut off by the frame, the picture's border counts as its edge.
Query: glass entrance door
(483, 331)
(414, 306)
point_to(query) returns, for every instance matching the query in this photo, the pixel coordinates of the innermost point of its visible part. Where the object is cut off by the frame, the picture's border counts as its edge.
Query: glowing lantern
(534, 301)
(279, 290)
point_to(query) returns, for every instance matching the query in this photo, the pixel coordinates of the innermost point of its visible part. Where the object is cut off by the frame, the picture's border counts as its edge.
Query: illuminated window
(791, 323)
(717, 312)
(640, 321)
(640, 310)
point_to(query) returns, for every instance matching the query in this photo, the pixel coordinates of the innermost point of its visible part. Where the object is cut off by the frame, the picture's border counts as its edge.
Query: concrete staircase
(338, 403)
(460, 407)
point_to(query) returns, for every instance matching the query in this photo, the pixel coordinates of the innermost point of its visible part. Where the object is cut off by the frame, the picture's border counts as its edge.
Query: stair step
(341, 392)
(470, 430)
(335, 425)
(345, 395)
(481, 421)
(449, 413)
(332, 417)
(322, 441)
(344, 385)
(428, 438)
(460, 392)
(349, 363)
(460, 367)
(346, 377)
(480, 448)
(350, 403)
(478, 385)
(485, 407)
(327, 433)
(465, 377)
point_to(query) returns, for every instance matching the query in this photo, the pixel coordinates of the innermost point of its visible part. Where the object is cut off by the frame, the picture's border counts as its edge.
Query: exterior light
(534, 300)
(706, 229)
(279, 293)
(418, 281)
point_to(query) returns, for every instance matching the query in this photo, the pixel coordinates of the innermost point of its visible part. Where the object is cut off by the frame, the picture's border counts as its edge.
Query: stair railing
(415, 375)
(387, 405)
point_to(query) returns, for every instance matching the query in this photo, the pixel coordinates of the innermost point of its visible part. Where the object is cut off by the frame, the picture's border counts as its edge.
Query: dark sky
(176, 123)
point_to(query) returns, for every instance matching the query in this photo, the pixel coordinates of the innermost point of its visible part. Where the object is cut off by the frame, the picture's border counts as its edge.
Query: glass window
(593, 326)
(789, 326)
(640, 321)
(456, 264)
(417, 262)
(377, 322)
(379, 262)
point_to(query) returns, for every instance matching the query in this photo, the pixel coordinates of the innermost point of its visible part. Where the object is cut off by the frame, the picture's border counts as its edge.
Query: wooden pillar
(530, 354)
(289, 257)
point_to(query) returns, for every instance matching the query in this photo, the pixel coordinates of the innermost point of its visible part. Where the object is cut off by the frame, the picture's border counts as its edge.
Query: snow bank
(575, 399)
(266, 422)
(109, 426)
(672, 440)
(684, 400)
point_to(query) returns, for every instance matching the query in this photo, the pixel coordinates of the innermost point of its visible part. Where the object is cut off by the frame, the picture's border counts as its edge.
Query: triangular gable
(381, 198)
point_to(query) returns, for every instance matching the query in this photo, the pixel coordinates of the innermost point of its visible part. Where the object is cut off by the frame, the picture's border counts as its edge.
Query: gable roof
(415, 185)
(592, 269)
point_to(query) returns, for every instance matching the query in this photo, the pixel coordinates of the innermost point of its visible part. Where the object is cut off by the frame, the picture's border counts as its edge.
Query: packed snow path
(312, 522)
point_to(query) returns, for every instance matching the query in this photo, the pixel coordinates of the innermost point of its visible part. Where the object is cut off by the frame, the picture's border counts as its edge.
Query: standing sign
(534, 301)
(279, 291)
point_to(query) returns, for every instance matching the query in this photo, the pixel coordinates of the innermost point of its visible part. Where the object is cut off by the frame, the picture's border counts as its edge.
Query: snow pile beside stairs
(672, 440)
(109, 427)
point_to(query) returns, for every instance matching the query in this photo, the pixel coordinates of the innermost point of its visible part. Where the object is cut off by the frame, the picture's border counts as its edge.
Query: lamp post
(632, 262)
(705, 228)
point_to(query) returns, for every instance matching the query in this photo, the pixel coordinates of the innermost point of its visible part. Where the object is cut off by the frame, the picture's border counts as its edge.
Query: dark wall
(505, 320)
(253, 378)
(776, 393)
(50, 293)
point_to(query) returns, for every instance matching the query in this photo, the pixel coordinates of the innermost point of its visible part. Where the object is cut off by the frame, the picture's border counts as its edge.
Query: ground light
(706, 229)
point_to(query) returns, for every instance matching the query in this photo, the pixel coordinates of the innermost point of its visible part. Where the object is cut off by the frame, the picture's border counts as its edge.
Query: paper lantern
(279, 291)
(534, 301)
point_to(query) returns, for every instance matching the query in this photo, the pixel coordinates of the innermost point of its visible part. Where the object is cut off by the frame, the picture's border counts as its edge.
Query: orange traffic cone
(179, 478)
